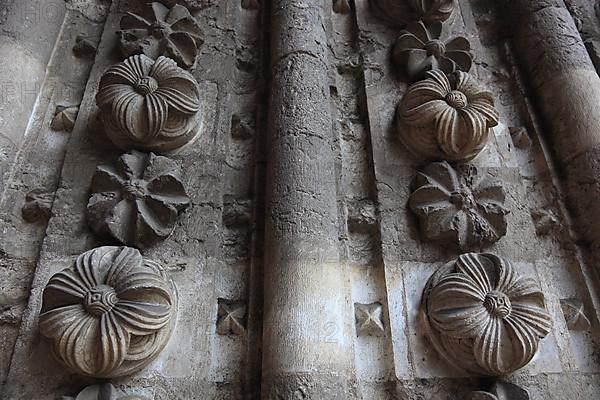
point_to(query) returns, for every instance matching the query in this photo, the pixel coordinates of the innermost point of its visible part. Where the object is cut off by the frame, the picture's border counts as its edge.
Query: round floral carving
(161, 31)
(149, 105)
(419, 49)
(401, 11)
(110, 314)
(459, 205)
(446, 118)
(482, 316)
(137, 200)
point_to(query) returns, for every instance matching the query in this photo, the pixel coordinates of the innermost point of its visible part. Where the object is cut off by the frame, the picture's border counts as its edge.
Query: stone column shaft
(307, 345)
(567, 89)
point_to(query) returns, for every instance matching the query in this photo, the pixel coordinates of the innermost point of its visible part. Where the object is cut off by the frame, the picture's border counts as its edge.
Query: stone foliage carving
(482, 316)
(446, 118)
(419, 49)
(103, 391)
(64, 118)
(110, 314)
(369, 319)
(137, 200)
(161, 31)
(401, 11)
(149, 105)
(459, 205)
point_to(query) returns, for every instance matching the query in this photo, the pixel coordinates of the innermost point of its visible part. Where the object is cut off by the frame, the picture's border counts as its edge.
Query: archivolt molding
(459, 205)
(137, 200)
(419, 49)
(149, 105)
(482, 316)
(446, 117)
(161, 31)
(110, 314)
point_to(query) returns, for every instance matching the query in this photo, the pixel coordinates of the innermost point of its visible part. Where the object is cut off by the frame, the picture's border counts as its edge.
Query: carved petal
(157, 216)
(182, 47)
(455, 307)
(134, 21)
(429, 198)
(476, 125)
(64, 288)
(106, 179)
(408, 41)
(142, 318)
(122, 224)
(450, 131)
(420, 93)
(143, 286)
(113, 344)
(168, 190)
(178, 13)
(132, 164)
(482, 105)
(160, 11)
(125, 261)
(458, 43)
(110, 94)
(130, 115)
(470, 264)
(488, 347)
(463, 59)
(157, 110)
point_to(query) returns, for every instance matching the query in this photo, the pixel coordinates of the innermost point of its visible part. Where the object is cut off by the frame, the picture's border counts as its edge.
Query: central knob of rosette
(498, 304)
(146, 85)
(456, 99)
(100, 300)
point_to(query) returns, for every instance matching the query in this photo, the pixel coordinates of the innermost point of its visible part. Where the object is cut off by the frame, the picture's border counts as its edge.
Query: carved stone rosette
(419, 49)
(402, 11)
(483, 317)
(446, 118)
(459, 205)
(137, 201)
(149, 105)
(158, 30)
(110, 314)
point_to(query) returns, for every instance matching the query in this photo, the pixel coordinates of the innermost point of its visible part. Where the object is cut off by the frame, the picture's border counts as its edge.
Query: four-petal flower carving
(136, 201)
(149, 105)
(446, 118)
(482, 316)
(419, 49)
(109, 315)
(158, 30)
(459, 205)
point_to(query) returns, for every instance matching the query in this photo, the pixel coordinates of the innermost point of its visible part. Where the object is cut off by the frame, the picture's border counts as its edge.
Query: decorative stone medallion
(459, 205)
(110, 314)
(446, 118)
(369, 319)
(161, 31)
(231, 317)
(137, 200)
(401, 11)
(419, 49)
(149, 105)
(482, 316)
(103, 391)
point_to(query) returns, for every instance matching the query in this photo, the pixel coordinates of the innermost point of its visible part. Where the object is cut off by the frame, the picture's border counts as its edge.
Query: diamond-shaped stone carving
(231, 317)
(369, 319)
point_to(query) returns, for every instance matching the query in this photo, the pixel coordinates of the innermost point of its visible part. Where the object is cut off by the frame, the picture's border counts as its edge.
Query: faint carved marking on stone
(399, 12)
(545, 221)
(103, 391)
(237, 212)
(231, 317)
(369, 319)
(137, 200)
(149, 105)
(64, 118)
(38, 205)
(341, 6)
(242, 127)
(520, 137)
(110, 314)
(161, 31)
(482, 316)
(459, 205)
(574, 313)
(446, 118)
(419, 49)
(251, 4)
(84, 47)
(362, 215)
(501, 391)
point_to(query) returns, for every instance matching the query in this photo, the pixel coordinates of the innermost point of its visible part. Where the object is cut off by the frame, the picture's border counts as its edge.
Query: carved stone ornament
(419, 49)
(483, 317)
(161, 31)
(104, 391)
(149, 105)
(402, 11)
(574, 313)
(110, 314)
(501, 391)
(231, 317)
(459, 205)
(64, 118)
(369, 319)
(446, 118)
(137, 200)
(38, 205)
